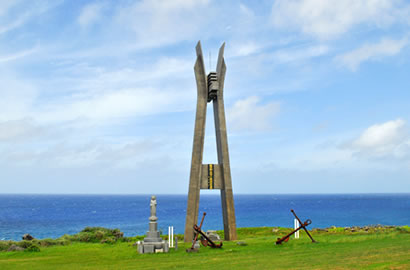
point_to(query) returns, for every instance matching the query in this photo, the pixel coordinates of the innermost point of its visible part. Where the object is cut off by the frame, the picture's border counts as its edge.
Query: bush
(4, 245)
(24, 244)
(52, 242)
(336, 229)
(89, 235)
(97, 235)
(32, 248)
(403, 229)
(109, 240)
(33, 245)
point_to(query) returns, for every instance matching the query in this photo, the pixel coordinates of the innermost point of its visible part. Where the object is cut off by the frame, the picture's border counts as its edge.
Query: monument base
(153, 235)
(152, 247)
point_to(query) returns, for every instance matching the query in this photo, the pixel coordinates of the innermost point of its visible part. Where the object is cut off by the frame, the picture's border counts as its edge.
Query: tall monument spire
(210, 176)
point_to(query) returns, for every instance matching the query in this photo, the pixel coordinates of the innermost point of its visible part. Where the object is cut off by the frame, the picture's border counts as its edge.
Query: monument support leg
(198, 147)
(228, 209)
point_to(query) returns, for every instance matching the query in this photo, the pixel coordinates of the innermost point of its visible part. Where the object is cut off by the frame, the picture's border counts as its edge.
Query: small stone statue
(153, 206)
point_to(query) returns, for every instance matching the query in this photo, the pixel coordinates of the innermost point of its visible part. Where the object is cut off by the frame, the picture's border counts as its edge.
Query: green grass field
(387, 248)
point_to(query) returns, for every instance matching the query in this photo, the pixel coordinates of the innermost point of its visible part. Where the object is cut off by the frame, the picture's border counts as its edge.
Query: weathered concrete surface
(199, 175)
(198, 146)
(228, 209)
(216, 178)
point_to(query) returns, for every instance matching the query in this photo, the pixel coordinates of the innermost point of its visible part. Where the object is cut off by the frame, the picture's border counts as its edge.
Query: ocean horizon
(53, 215)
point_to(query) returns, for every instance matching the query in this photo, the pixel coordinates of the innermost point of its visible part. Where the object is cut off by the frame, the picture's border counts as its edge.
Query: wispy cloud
(330, 19)
(68, 155)
(90, 14)
(100, 94)
(15, 130)
(13, 16)
(11, 26)
(14, 56)
(156, 23)
(249, 115)
(300, 54)
(245, 49)
(108, 106)
(370, 52)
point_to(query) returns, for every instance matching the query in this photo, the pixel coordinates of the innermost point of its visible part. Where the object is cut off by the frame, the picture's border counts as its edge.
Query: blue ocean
(51, 216)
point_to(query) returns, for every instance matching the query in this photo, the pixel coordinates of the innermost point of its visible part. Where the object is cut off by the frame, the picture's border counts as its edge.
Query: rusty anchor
(302, 226)
(206, 241)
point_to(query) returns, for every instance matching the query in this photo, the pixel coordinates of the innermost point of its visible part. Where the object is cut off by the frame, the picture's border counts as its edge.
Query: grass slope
(337, 249)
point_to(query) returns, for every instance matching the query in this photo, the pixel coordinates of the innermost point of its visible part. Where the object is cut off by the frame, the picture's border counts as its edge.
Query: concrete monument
(210, 176)
(153, 243)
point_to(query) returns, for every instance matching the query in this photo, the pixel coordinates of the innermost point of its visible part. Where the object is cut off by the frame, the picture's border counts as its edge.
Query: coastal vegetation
(369, 247)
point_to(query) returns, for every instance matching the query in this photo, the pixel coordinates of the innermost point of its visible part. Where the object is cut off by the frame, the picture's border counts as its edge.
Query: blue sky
(99, 96)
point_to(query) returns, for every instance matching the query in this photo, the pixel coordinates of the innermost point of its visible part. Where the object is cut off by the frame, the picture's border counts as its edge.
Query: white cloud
(384, 146)
(382, 140)
(111, 105)
(248, 114)
(380, 135)
(245, 49)
(99, 94)
(326, 19)
(90, 14)
(368, 52)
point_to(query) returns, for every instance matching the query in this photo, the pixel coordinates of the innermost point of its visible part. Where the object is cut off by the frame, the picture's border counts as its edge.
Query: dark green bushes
(97, 235)
(28, 246)
(88, 235)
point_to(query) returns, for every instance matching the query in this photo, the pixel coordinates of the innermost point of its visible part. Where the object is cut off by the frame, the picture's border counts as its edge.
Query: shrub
(336, 229)
(109, 240)
(403, 229)
(24, 244)
(97, 235)
(32, 248)
(52, 242)
(4, 245)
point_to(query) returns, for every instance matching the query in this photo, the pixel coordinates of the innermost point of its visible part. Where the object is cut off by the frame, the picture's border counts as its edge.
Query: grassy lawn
(337, 249)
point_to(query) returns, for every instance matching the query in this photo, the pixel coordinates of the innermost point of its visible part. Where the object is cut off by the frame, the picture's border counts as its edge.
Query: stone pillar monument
(153, 242)
(153, 233)
(210, 176)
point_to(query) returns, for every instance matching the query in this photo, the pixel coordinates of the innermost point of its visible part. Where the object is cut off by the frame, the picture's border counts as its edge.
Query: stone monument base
(152, 247)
